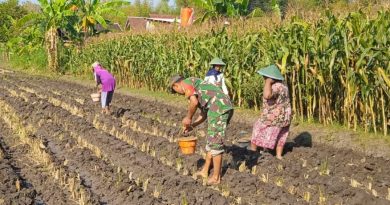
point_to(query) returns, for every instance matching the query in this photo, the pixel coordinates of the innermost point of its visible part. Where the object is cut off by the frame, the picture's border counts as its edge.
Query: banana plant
(92, 11)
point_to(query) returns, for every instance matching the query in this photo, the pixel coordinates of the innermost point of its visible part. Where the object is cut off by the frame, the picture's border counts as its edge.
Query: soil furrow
(157, 175)
(305, 170)
(245, 192)
(275, 172)
(36, 167)
(13, 188)
(112, 186)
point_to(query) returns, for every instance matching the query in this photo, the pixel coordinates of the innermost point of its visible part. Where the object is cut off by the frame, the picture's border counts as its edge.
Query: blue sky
(155, 2)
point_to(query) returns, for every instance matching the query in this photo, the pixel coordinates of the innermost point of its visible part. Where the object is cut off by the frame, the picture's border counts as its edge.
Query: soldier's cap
(174, 79)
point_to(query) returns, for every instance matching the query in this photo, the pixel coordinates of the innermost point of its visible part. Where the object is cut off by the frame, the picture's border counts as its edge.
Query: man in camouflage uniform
(216, 107)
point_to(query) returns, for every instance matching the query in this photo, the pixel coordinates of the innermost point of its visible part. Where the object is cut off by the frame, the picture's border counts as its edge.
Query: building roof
(136, 23)
(165, 20)
(164, 16)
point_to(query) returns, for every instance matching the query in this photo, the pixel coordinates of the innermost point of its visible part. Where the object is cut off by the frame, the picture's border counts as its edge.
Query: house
(150, 23)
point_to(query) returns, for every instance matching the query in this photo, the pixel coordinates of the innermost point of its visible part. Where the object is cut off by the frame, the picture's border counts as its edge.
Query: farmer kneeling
(217, 108)
(107, 81)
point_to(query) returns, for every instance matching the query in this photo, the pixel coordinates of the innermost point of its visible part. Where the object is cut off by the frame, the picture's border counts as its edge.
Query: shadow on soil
(251, 158)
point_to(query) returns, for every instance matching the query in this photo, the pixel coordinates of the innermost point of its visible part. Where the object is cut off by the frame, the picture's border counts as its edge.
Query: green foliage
(164, 8)
(226, 8)
(10, 11)
(142, 8)
(91, 13)
(36, 60)
(337, 69)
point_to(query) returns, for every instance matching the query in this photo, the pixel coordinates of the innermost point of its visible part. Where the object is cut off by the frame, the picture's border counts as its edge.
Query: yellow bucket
(187, 145)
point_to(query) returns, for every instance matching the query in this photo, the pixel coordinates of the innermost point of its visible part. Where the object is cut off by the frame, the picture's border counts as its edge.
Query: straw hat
(272, 72)
(217, 61)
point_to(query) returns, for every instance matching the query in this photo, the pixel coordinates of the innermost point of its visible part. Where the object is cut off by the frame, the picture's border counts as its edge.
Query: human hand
(186, 122)
(269, 81)
(187, 129)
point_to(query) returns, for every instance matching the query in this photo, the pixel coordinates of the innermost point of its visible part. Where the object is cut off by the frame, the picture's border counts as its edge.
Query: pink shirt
(105, 78)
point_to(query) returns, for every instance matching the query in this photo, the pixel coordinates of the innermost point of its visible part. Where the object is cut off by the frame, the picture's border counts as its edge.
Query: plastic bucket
(187, 145)
(95, 97)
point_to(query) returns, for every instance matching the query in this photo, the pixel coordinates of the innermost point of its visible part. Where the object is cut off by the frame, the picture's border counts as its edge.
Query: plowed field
(56, 148)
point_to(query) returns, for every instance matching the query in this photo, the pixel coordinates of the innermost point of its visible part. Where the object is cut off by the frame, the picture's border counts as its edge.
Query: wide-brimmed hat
(271, 71)
(217, 61)
(174, 79)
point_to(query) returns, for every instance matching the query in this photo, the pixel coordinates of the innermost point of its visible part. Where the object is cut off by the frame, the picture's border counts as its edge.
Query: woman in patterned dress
(272, 128)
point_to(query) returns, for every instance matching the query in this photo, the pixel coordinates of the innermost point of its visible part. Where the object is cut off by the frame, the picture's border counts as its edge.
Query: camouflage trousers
(217, 124)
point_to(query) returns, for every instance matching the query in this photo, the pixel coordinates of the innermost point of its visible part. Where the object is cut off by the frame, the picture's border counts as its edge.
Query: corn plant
(337, 69)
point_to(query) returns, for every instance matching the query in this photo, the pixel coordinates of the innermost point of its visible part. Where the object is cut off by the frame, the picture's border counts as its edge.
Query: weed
(374, 192)
(179, 164)
(17, 185)
(264, 178)
(280, 168)
(239, 200)
(324, 167)
(254, 170)
(225, 190)
(130, 189)
(279, 181)
(157, 190)
(291, 190)
(307, 196)
(131, 175)
(355, 183)
(145, 185)
(186, 172)
(304, 162)
(242, 167)
(184, 200)
(322, 197)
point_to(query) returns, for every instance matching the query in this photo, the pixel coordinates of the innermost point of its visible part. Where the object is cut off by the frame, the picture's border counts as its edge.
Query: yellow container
(187, 145)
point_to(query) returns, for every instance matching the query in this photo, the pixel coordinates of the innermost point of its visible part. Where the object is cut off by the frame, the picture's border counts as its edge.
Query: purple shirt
(105, 78)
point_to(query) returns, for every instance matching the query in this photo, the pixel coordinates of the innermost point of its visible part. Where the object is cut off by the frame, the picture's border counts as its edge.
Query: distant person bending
(215, 75)
(107, 82)
(273, 126)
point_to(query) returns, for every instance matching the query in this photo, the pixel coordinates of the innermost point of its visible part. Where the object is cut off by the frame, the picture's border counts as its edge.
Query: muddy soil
(310, 173)
(174, 188)
(24, 181)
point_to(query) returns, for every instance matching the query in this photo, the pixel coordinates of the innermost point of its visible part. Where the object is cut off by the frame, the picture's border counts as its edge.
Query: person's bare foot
(212, 181)
(279, 157)
(200, 174)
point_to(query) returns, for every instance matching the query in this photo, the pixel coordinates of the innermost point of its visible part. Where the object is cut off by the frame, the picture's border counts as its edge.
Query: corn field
(337, 69)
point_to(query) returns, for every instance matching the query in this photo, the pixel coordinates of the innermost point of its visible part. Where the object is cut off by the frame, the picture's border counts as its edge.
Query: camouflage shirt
(210, 97)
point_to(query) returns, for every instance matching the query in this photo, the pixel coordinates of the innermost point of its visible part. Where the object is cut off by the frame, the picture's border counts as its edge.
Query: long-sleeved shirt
(105, 78)
(217, 80)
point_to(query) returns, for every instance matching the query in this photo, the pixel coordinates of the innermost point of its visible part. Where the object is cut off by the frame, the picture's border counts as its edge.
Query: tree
(9, 10)
(92, 12)
(55, 17)
(223, 8)
(164, 8)
(146, 8)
